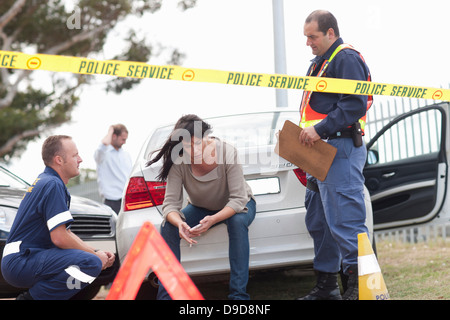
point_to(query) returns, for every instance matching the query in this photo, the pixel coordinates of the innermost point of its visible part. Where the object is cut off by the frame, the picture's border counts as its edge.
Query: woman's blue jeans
(239, 246)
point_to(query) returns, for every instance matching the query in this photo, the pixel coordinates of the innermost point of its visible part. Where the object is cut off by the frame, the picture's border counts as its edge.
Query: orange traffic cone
(371, 282)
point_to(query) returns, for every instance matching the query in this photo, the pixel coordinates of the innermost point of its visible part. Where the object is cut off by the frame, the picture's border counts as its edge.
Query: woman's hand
(184, 231)
(206, 223)
(187, 232)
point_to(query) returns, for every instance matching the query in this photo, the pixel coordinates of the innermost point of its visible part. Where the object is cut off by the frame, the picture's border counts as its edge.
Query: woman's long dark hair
(186, 123)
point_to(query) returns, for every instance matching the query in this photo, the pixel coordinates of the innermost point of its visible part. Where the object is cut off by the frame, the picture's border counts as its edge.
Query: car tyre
(148, 289)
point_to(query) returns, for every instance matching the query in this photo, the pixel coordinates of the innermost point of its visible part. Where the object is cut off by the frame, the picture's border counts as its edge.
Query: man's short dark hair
(119, 128)
(52, 146)
(325, 21)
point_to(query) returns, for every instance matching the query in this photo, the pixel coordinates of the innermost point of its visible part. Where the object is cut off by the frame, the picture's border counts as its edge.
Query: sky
(403, 42)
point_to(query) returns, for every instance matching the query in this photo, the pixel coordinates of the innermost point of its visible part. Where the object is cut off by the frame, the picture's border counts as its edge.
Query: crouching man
(41, 252)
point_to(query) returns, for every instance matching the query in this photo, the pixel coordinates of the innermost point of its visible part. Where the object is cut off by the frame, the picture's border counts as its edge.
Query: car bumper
(278, 239)
(128, 225)
(275, 241)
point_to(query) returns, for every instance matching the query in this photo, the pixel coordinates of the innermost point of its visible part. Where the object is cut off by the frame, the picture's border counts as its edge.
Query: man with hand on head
(113, 166)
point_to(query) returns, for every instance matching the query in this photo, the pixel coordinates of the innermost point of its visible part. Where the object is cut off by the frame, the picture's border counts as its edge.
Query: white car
(278, 235)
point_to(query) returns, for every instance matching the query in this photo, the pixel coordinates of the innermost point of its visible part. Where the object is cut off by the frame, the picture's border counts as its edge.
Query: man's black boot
(352, 292)
(327, 288)
(24, 296)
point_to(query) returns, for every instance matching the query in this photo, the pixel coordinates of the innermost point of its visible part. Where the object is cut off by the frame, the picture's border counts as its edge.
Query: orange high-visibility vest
(309, 117)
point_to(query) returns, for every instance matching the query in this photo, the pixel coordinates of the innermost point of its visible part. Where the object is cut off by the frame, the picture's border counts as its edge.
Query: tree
(29, 107)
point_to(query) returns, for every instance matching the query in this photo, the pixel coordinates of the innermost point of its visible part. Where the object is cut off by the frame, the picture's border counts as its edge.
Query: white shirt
(113, 169)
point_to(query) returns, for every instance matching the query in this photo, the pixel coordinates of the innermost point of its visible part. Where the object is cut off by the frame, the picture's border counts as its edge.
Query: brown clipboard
(315, 160)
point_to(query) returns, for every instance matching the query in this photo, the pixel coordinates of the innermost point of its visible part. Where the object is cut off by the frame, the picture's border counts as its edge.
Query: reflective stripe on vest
(309, 117)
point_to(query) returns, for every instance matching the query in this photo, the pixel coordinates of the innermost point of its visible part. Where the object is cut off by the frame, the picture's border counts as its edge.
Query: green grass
(410, 271)
(416, 271)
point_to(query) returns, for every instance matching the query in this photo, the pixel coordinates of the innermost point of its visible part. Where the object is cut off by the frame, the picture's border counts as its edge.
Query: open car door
(406, 169)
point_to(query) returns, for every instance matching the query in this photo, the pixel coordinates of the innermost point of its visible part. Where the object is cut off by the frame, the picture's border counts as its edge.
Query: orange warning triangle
(149, 250)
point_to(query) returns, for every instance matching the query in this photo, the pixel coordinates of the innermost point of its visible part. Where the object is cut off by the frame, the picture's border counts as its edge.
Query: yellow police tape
(55, 63)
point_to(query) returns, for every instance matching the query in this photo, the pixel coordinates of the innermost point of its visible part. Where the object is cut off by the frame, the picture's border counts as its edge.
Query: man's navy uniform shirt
(44, 207)
(342, 109)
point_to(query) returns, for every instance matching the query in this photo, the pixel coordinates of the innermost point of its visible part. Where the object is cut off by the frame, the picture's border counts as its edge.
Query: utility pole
(279, 49)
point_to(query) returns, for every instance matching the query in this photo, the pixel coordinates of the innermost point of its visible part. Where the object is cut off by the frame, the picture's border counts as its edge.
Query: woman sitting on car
(209, 171)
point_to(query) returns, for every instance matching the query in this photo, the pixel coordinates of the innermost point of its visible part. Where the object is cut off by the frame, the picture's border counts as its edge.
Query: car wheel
(148, 289)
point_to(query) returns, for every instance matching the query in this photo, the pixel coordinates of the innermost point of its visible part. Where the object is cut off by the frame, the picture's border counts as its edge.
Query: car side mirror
(372, 157)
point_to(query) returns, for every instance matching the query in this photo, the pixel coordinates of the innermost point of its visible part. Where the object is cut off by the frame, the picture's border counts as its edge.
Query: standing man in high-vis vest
(335, 207)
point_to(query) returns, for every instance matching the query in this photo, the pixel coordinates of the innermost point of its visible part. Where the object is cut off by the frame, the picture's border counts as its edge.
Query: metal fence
(425, 233)
(386, 109)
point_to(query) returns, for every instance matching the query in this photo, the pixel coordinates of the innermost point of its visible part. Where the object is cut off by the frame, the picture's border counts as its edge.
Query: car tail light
(143, 194)
(301, 175)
